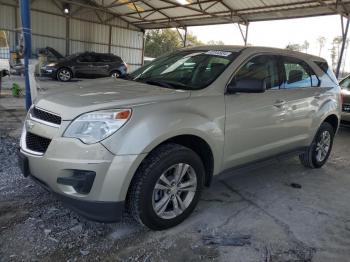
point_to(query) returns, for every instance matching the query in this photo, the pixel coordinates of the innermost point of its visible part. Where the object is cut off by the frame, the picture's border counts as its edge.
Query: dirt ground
(251, 215)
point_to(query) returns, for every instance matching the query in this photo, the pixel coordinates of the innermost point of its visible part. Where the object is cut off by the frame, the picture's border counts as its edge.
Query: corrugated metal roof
(148, 14)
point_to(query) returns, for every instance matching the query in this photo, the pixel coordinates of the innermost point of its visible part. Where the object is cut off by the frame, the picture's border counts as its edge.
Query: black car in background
(88, 64)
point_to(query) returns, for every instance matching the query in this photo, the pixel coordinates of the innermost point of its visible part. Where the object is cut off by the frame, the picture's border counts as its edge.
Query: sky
(278, 33)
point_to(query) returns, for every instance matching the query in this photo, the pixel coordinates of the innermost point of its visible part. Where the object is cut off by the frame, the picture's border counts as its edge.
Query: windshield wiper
(160, 83)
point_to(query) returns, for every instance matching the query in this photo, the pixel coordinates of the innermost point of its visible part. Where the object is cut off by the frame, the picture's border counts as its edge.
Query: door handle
(280, 103)
(317, 96)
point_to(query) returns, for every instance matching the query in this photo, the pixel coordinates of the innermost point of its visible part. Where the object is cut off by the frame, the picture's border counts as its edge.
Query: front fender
(152, 124)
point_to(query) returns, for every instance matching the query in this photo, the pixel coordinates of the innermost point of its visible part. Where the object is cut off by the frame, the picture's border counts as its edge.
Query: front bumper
(48, 72)
(64, 157)
(345, 116)
(100, 211)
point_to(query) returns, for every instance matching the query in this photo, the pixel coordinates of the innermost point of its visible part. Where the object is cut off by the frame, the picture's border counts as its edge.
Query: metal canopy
(152, 14)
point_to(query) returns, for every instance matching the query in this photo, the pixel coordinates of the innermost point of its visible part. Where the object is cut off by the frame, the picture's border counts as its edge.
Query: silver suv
(147, 144)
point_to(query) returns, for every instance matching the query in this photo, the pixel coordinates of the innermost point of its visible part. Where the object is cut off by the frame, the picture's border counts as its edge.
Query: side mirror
(246, 86)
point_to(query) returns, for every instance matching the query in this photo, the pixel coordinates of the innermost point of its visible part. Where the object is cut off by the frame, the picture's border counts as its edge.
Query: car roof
(257, 49)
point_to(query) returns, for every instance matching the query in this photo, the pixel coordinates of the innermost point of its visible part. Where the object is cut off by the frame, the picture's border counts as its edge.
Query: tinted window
(262, 67)
(192, 70)
(87, 58)
(104, 58)
(298, 74)
(345, 83)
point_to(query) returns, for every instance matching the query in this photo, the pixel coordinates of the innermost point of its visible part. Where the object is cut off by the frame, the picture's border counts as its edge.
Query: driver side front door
(254, 121)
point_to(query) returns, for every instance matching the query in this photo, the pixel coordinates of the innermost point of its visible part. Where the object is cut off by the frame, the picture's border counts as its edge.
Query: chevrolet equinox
(148, 144)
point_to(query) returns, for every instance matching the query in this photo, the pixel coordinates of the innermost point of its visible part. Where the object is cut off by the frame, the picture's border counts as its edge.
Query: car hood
(84, 96)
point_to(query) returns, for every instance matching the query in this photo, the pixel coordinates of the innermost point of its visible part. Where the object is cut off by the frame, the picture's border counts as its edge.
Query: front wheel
(64, 74)
(318, 152)
(167, 186)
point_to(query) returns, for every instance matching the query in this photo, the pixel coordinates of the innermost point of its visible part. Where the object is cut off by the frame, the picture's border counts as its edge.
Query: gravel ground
(255, 215)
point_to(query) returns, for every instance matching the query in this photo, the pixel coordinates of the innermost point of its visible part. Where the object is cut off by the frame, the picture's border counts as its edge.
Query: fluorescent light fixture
(183, 2)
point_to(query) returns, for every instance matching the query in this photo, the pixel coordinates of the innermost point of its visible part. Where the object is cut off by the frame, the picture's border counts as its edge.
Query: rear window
(323, 65)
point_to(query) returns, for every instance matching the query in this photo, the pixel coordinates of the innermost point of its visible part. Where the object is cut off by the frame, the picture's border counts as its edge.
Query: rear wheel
(64, 74)
(115, 74)
(167, 186)
(318, 152)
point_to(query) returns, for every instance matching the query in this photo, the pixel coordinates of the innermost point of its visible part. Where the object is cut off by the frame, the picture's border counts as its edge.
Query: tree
(294, 47)
(306, 46)
(160, 41)
(321, 42)
(335, 50)
(192, 40)
(213, 42)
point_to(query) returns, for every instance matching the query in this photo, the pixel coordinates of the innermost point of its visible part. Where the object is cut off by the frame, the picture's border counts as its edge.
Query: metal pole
(246, 34)
(345, 35)
(67, 35)
(109, 39)
(25, 18)
(143, 47)
(185, 37)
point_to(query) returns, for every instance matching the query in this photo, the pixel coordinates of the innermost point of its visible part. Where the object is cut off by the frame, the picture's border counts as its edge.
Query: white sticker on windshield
(218, 53)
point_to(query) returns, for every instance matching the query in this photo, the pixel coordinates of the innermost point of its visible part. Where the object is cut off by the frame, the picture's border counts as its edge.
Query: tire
(115, 74)
(144, 200)
(311, 158)
(64, 74)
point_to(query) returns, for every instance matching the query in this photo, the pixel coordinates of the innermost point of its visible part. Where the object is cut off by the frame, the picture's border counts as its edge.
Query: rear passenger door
(102, 64)
(301, 94)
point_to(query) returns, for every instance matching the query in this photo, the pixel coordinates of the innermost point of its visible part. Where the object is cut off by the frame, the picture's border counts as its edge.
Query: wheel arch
(333, 121)
(195, 143)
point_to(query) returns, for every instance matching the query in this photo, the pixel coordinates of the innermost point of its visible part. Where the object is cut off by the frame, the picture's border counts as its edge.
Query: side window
(298, 74)
(263, 67)
(104, 58)
(86, 58)
(345, 83)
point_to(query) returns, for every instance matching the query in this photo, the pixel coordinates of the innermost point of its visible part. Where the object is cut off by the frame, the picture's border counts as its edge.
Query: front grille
(37, 143)
(346, 108)
(45, 116)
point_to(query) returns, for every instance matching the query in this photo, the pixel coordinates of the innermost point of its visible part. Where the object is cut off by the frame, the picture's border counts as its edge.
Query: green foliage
(16, 90)
(161, 41)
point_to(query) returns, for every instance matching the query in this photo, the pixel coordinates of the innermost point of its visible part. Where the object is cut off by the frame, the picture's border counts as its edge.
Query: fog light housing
(81, 180)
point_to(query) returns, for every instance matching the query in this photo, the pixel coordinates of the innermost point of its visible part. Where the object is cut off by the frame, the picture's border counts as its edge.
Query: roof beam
(333, 7)
(96, 7)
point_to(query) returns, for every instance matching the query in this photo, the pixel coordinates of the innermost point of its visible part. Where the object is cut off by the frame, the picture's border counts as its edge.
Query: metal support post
(345, 36)
(27, 37)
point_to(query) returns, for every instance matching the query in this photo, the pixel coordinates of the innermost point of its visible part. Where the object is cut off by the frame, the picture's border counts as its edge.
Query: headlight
(51, 65)
(95, 126)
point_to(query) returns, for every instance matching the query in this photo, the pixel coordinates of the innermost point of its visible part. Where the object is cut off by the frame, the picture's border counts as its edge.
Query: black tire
(309, 158)
(140, 195)
(64, 74)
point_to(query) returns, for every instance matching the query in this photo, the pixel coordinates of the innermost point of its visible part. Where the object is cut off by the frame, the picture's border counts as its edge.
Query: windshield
(189, 70)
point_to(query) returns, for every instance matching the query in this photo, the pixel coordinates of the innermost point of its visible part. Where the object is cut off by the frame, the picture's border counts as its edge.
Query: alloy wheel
(174, 191)
(323, 146)
(64, 75)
